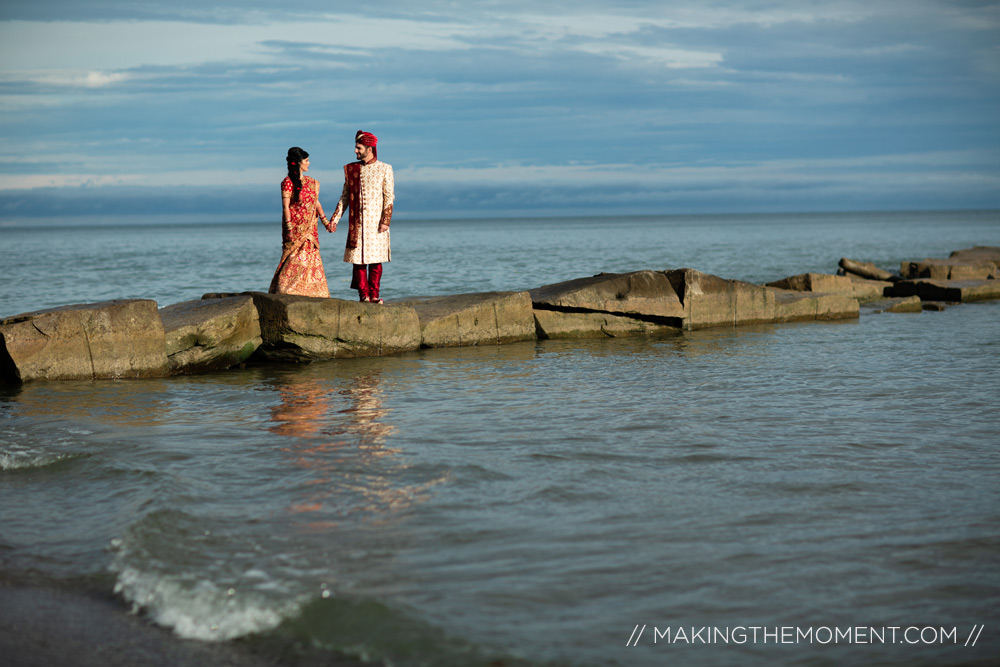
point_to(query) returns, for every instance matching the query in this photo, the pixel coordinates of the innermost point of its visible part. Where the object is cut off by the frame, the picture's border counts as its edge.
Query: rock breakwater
(135, 339)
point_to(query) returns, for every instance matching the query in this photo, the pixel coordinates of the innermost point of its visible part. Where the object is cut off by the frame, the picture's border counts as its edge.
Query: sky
(161, 111)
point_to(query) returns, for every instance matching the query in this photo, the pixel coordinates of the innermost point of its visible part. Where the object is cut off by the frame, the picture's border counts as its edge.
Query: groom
(369, 194)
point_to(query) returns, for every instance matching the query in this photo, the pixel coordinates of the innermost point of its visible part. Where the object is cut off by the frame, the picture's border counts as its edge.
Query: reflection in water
(124, 404)
(340, 438)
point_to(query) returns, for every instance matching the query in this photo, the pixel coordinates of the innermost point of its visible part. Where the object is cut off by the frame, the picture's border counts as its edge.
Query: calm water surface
(531, 503)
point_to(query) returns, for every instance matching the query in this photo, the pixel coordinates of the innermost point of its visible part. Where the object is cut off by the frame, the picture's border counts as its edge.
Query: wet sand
(41, 627)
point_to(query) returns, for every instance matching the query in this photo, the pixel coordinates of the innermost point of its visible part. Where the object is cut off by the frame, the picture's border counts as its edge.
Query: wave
(308, 627)
(207, 583)
(201, 584)
(372, 631)
(30, 460)
(27, 450)
(202, 610)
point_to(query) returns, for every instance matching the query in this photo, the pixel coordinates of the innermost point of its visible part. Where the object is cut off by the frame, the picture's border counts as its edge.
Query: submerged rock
(937, 306)
(210, 334)
(107, 340)
(484, 318)
(906, 304)
(305, 328)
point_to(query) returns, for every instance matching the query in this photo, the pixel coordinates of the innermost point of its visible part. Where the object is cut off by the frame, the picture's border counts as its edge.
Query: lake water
(536, 503)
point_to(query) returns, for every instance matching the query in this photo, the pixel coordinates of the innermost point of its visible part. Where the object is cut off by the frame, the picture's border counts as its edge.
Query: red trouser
(366, 279)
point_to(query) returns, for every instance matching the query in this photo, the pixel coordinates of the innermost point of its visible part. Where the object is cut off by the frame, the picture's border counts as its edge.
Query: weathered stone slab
(107, 340)
(304, 328)
(573, 324)
(799, 306)
(484, 318)
(865, 270)
(858, 288)
(969, 268)
(978, 254)
(948, 290)
(645, 294)
(710, 301)
(905, 304)
(210, 334)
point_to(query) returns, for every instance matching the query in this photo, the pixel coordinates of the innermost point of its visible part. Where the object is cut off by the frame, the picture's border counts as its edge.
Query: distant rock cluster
(134, 339)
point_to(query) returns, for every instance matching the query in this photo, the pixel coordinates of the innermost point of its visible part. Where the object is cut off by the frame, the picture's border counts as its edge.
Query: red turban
(367, 139)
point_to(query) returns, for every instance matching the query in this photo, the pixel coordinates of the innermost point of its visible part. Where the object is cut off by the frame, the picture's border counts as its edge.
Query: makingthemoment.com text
(893, 634)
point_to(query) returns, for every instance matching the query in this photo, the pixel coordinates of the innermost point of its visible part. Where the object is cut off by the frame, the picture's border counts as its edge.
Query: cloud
(671, 58)
(164, 179)
(71, 78)
(621, 173)
(113, 43)
(504, 106)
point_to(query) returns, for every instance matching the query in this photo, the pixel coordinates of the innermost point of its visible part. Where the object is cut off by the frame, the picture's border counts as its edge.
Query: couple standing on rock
(368, 193)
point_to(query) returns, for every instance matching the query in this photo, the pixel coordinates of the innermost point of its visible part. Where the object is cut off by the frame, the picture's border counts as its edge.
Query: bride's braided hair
(295, 157)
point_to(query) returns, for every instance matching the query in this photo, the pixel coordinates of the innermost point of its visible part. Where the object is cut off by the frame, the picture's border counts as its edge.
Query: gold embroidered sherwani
(369, 192)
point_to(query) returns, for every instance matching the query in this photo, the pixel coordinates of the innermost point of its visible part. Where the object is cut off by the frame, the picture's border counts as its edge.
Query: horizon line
(150, 220)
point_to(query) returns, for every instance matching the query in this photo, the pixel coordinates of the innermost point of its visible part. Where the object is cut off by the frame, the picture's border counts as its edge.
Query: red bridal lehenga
(300, 270)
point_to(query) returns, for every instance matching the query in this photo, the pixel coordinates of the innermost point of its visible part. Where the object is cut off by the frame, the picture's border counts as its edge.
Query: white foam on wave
(21, 451)
(21, 460)
(201, 610)
(193, 602)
